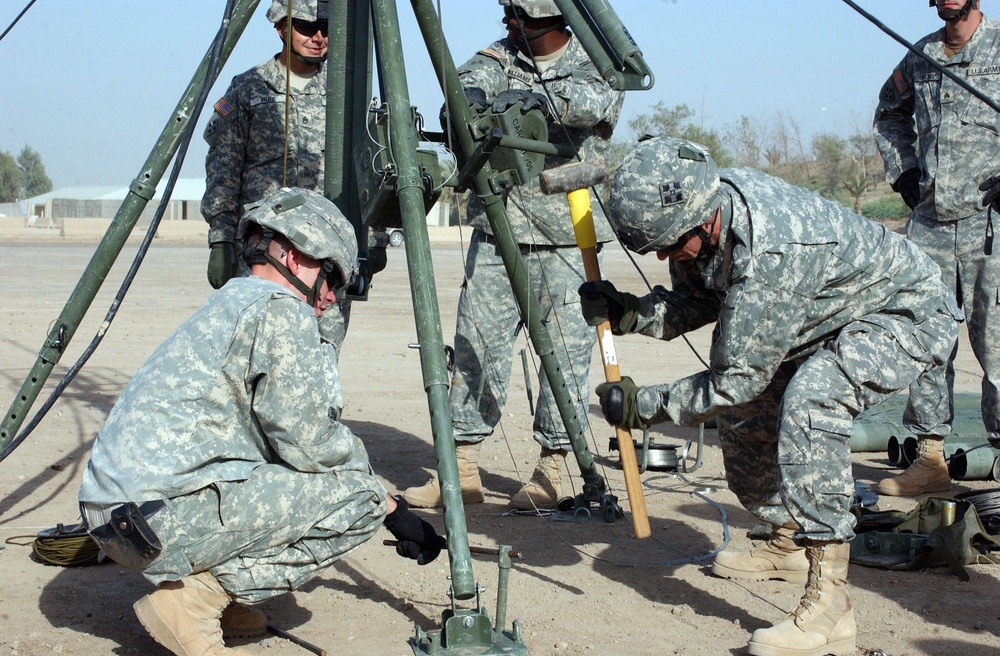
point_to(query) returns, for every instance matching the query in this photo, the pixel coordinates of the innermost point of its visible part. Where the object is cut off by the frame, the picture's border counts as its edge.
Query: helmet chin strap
(951, 14)
(312, 61)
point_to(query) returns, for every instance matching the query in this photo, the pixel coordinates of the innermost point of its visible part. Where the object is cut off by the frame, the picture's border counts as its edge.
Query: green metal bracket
(469, 631)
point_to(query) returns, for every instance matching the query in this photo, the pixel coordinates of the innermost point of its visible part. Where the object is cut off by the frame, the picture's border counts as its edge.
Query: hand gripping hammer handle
(575, 180)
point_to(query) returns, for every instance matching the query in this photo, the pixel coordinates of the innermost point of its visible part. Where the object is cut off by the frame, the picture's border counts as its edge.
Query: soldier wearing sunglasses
(253, 150)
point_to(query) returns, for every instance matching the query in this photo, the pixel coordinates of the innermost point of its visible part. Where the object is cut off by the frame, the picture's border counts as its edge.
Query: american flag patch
(223, 107)
(671, 193)
(899, 82)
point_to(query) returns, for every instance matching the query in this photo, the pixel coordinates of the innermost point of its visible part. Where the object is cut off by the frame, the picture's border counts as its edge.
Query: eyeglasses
(308, 29)
(331, 273)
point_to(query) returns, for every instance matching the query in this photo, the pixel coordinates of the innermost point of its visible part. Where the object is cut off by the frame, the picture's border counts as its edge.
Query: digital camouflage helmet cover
(664, 189)
(307, 10)
(534, 8)
(313, 225)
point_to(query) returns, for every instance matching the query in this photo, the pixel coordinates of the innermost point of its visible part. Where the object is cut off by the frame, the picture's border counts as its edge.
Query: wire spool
(64, 546)
(987, 505)
(659, 457)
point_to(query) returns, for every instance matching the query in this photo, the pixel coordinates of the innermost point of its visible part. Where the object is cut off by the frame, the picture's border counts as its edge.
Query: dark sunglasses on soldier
(307, 28)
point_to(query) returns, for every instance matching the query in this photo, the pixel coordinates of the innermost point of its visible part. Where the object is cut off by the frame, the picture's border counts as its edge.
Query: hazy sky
(90, 85)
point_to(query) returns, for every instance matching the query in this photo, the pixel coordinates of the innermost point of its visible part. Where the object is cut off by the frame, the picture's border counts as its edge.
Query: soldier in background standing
(541, 64)
(251, 154)
(939, 144)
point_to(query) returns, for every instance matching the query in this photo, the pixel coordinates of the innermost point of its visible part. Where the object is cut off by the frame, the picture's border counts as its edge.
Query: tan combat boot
(239, 621)
(183, 616)
(542, 489)
(824, 621)
(928, 473)
(777, 558)
(428, 495)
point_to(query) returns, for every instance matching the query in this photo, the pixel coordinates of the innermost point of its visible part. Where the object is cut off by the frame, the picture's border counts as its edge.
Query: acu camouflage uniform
(488, 318)
(246, 157)
(234, 423)
(819, 314)
(926, 121)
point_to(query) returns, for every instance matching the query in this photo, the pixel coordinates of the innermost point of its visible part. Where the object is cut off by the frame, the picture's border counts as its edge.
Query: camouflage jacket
(925, 120)
(244, 381)
(790, 271)
(588, 110)
(246, 136)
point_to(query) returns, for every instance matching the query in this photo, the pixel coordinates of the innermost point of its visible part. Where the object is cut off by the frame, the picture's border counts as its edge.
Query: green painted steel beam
(141, 190)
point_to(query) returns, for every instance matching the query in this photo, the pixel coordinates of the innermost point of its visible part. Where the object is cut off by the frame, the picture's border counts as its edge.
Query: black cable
(987, 505)
(11, 26)
(210, 76)
(941, 69)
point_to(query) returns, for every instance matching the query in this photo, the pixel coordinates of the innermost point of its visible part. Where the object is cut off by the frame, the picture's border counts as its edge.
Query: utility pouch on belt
(127, 538)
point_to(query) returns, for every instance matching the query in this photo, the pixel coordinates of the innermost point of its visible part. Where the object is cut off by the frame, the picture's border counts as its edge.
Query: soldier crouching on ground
(223, 473)
(819, 315)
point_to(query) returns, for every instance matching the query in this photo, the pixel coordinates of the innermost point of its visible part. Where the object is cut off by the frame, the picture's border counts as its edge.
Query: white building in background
(102, 202)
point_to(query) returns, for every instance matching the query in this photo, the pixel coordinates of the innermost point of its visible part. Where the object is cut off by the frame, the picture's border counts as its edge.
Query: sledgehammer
(575, 181)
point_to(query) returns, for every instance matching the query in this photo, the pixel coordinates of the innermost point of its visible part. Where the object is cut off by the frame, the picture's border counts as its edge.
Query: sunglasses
(308, 29)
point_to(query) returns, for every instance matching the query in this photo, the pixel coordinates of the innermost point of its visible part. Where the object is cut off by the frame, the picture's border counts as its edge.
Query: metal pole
(527, 303)
(141, 191)
(410, 190)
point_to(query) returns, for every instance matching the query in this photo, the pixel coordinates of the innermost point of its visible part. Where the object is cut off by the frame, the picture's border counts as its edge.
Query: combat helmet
(534, 8)
(664, 189)
(307, 10)
(314, 225)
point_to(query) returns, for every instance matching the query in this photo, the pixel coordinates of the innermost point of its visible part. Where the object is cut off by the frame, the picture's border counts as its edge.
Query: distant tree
(748, 140)
(829, 150)
(11, 178)
(36, 182)
(676, 121)
(864, 169)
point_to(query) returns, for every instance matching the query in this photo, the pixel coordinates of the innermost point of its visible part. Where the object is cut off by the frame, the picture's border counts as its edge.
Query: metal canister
(947, 513)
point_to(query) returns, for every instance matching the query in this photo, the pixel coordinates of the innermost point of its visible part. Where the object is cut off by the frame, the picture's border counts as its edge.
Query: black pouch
(127, 538)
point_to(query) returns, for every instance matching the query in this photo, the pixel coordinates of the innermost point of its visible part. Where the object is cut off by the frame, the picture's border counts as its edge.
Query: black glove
(992, 195)
(377, 259)
(529, 99)
(417, 538)
(619, 405)
(907, 185)
(599, 300)
(221, 263)
(476, 98)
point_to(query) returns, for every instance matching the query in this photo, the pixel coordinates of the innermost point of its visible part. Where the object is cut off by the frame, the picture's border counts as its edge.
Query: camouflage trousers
(787, 453)
(269, 534)
(488, 323)
(974, 276)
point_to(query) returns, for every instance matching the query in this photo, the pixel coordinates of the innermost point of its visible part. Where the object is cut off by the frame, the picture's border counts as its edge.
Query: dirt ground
(579, 589)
